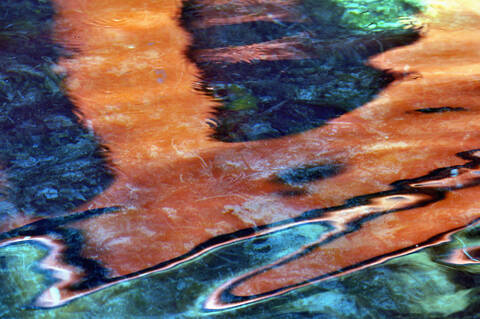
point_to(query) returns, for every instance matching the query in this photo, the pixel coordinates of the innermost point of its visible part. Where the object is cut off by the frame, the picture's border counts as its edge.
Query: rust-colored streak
(287, 48)
(212, 13)
(133, 85)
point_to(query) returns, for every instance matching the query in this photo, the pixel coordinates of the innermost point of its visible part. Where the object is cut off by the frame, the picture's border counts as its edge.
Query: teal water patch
(419, 285)
(176, 293)
(20, 279)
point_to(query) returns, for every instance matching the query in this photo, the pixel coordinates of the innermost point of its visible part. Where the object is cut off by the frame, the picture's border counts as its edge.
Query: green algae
(376, 16)
(234, 97)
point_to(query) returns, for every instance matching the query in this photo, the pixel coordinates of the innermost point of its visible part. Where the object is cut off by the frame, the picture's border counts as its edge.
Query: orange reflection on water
(132, 83)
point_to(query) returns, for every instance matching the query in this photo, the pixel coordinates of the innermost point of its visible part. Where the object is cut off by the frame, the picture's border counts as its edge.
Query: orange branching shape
(178, 188)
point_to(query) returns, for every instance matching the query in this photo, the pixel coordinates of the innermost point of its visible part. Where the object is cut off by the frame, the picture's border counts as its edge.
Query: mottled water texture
(421, 285)
(50, 162)
(297, 71)
(313, 68)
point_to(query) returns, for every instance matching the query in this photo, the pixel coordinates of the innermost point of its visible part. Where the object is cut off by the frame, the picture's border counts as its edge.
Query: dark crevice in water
(292, 193)
(306, 174)
(442, 109)
(51, 161)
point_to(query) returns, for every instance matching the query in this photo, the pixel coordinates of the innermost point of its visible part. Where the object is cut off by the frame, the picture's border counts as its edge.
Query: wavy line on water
(342, 220)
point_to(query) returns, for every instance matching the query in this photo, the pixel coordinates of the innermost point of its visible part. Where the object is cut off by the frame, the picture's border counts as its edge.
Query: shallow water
(290, 159)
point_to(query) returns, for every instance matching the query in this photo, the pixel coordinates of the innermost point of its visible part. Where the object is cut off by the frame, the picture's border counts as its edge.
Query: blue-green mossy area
(419, 285)
(52, 164)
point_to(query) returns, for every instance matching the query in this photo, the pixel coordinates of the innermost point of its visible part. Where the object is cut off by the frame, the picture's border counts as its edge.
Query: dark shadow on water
(267, 99)
(52, 162)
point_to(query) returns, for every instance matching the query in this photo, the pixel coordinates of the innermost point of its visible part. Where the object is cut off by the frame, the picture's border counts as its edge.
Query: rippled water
(239, 159)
